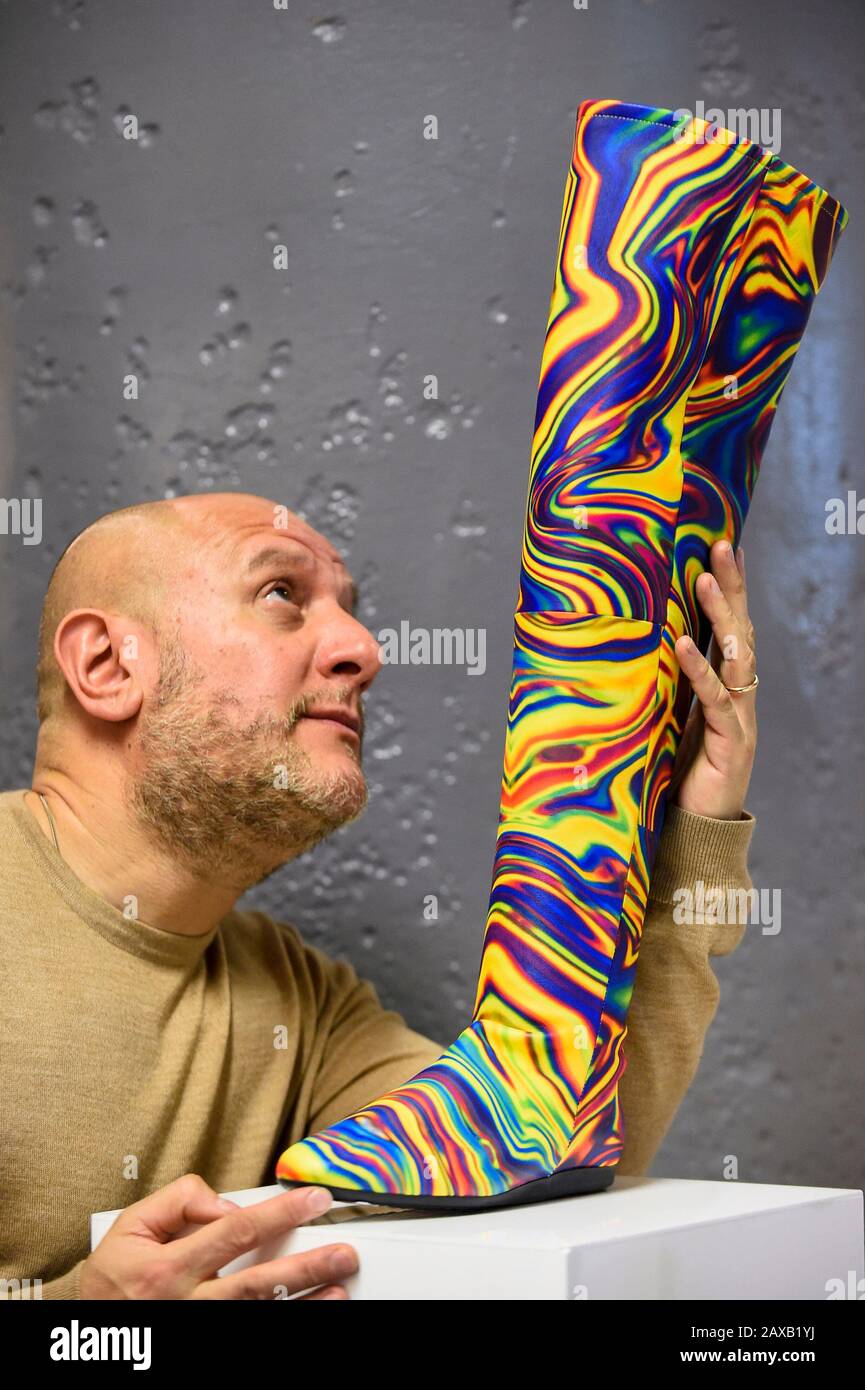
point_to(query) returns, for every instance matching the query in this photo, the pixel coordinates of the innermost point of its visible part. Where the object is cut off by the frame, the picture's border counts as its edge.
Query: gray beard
(233, 802)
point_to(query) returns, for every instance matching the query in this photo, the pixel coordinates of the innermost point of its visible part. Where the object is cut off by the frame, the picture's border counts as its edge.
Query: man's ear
(98, 653)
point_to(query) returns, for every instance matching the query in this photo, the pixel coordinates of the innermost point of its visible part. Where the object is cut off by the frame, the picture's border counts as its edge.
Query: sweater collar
(129, 934)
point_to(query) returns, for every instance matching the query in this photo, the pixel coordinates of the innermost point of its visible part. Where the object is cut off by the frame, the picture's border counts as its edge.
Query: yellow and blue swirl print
(685, 272)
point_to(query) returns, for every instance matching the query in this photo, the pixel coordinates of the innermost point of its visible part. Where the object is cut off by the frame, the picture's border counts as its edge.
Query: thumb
(170, 1212)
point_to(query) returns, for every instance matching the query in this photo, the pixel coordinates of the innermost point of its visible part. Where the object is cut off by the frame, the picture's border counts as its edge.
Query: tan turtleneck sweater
(132, 1055)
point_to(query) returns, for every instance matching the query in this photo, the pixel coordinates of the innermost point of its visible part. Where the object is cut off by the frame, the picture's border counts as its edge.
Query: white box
(643, 1238)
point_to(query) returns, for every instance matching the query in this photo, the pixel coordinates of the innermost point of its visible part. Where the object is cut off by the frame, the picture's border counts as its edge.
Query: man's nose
(346, 648)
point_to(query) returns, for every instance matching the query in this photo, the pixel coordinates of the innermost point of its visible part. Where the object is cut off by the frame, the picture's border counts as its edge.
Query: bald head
(131, 562)
(201, 670)
(121, 563)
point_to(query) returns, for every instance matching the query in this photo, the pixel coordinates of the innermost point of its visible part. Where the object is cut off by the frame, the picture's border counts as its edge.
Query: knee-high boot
(663, 229)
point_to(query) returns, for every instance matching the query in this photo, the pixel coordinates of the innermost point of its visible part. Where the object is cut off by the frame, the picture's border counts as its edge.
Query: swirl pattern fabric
(685, 272)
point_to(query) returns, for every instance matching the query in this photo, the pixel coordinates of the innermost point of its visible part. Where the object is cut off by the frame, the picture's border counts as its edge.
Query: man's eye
(283, 588)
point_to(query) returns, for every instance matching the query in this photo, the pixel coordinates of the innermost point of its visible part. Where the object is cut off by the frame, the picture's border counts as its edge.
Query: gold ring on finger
(741, 689)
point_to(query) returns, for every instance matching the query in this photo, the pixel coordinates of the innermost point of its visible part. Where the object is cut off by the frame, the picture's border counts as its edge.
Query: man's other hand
(150, 1253)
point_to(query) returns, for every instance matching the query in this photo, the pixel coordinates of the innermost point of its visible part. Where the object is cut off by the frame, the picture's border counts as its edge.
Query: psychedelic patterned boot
(729, 412)
(732, 405)
(682, 260)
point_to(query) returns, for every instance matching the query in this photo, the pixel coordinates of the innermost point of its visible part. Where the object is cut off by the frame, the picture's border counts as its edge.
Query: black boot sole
(571, 1182)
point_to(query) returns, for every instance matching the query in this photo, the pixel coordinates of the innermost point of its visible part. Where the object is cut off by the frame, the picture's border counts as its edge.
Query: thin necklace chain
(50, 821)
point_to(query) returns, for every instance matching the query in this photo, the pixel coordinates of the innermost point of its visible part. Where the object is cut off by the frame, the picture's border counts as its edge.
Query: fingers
(719, 710)
(289, 1275)
(200, 1255)
(723, 598)
(167, 1213)
(728, 568)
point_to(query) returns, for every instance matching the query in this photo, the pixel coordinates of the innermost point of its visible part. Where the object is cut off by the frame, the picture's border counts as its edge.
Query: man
(199, 694)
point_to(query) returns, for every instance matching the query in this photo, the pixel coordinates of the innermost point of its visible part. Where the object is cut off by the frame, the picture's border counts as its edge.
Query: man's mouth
(335, 715)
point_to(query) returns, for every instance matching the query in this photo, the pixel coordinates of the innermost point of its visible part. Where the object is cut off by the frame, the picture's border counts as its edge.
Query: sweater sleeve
(368, 1050)
(676, 992)
(64, 1286)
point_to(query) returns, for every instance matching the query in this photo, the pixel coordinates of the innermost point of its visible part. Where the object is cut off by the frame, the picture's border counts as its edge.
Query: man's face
(240, 767)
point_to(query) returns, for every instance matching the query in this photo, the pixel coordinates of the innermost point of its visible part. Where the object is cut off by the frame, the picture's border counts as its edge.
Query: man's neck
(112, 855)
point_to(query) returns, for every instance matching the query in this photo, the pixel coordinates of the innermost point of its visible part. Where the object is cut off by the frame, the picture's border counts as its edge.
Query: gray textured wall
(408, 257)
